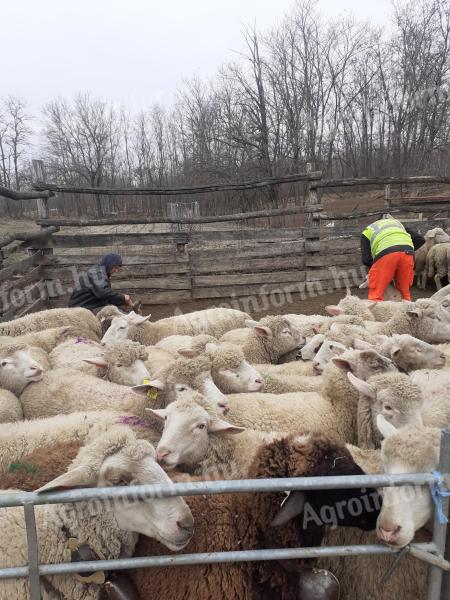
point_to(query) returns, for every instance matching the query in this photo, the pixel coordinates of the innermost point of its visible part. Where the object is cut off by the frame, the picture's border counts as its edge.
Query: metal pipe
(33, 558)
(208, 558)
(440, 529)
(216, 487)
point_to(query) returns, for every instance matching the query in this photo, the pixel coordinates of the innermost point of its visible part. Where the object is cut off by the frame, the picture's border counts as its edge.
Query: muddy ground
(274, 306)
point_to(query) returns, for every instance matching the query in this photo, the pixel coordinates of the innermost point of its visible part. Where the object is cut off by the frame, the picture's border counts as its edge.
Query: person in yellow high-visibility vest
(387, 249)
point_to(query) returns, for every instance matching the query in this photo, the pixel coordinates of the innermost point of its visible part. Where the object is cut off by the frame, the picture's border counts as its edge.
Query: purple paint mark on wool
(133, 421)
(82, 340)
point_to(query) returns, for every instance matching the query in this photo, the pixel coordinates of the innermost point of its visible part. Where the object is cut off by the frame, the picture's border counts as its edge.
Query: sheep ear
(362, 345)
(189, 352)
(316, 328)
(263, 331)
(333, 310)
(250, 323)
(395, 350)
(291, 507)
(362, 386)
(98, 361)
(159, 413)
(342, 363)
(145, 387)
(415, 313)
(371, 305)
(80, 476)
(221, 426)
(364, 284)
(137, 319)
(384, 427)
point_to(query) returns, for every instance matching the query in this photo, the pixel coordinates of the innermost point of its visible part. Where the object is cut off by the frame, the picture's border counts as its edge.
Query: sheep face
(278, 334)
(231, 372)
(123, 363)
(392, 395)
(187, 430)
(18, 368)
(431, 321)
(327, 351)
(189, 375)
(351, 305)
(364, 363)
(409, 353)
(121, 327)
(129, 461)
(407, 508)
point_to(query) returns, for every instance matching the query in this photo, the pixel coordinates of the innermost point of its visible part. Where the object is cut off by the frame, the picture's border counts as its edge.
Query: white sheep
(269, 339)
(438, 263)
(432, 237)
(411, 449)
(10, 407)
(114, 458)
(122, 363)
(197, 438)
(44, 394)
(365, 309)
(46, 339)
(407, 352)
(333, 411)
(212, 321)
(400, 401)
(22, 438)
(424, 319)
(174, 343)
(80, 319)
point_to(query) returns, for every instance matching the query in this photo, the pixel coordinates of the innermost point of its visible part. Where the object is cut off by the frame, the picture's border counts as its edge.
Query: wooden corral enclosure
(187, 249)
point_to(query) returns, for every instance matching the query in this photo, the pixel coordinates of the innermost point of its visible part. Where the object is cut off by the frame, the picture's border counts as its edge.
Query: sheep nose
(36, 370)
(316, 367)
(224, 407)
(186, 524)
(162, 454)
(388, 535)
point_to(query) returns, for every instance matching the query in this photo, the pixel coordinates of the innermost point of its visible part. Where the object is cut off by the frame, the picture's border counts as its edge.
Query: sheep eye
(119, 365)
(123, 327)
(201, 426)
(331, 346)
(4, 363)
(387, 407)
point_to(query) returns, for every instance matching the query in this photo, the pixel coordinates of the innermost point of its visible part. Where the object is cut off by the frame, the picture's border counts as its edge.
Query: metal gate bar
(427, 552)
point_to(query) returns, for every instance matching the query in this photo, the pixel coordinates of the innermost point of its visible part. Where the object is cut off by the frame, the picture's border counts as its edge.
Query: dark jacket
(94, 290)
(366, 254)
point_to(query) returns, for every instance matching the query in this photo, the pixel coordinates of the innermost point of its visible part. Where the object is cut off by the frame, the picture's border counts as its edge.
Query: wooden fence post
(387, 198)
(38, 176)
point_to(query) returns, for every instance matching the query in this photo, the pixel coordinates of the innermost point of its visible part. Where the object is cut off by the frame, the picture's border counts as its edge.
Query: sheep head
(406, 509)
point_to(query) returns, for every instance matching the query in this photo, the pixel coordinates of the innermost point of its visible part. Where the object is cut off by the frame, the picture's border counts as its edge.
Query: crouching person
(94, 286)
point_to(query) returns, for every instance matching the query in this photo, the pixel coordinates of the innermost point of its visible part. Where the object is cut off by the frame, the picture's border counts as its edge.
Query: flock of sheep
(116, 399)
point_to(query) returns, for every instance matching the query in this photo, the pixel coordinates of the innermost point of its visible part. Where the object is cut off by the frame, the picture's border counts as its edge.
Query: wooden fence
(189, 256)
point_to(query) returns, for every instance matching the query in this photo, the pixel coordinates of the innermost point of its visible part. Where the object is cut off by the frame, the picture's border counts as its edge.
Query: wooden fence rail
(203, 262)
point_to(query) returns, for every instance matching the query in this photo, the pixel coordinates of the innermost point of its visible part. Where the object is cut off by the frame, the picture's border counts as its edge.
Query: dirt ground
(299, 304)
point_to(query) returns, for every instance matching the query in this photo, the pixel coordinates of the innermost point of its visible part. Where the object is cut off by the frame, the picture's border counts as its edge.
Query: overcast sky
(133, 52)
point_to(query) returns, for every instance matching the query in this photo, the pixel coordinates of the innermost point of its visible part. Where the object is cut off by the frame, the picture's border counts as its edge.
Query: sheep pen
(251, 366)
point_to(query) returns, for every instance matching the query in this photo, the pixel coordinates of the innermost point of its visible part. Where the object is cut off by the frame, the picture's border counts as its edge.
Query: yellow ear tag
(152, 393)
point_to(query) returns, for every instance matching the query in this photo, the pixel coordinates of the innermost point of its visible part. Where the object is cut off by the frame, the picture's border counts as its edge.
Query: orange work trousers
(398, 266)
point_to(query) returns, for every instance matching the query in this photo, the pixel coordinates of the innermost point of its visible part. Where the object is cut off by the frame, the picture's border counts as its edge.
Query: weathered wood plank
(329, 247)
(108, 239)
(238, 291)
(26, 296)
(351, 182)
(18, 283)
(336, 259)
(247, 278)
(20, 266)
(264, 249)
(201, 189)
(150, 219)
(246, 265)
(146, 297)
(160, 283)
(13, 195)
(142, 239)
(38, 237)
(69, 273)
(39, 304)
(151, 259)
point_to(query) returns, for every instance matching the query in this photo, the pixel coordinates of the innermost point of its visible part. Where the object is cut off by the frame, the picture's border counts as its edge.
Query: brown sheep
(243, 521)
